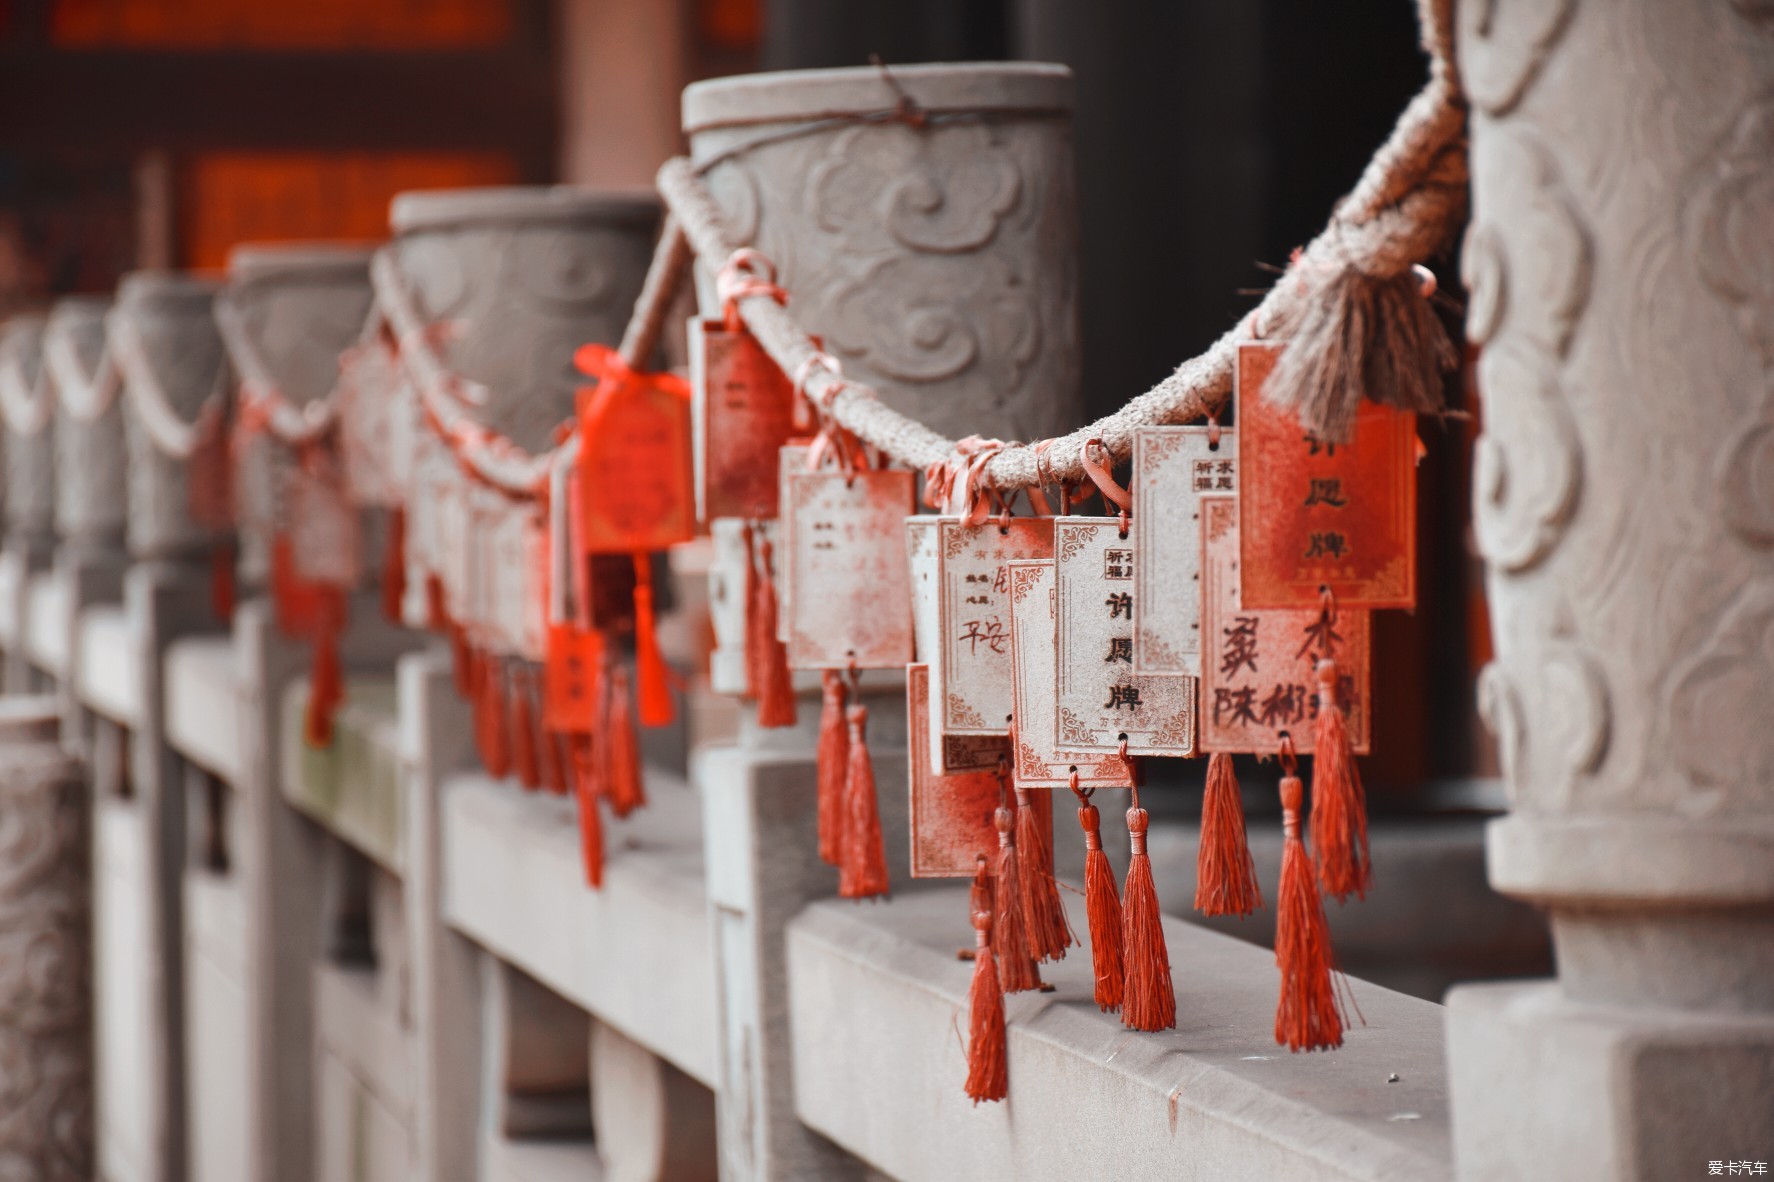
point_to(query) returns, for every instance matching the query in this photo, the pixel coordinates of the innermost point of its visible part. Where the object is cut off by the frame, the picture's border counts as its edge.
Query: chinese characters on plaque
(1257, 677)
(1035, 657)
(1173, 468)
(851, 597)
(973, 660)
(744, 410)
(1101, 701)
(1319, 515)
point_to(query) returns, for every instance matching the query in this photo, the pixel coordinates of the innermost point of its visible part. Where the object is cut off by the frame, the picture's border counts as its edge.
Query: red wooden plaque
(634, 464)
(1316, 515)
(744, 414)
(951, 813)
(1258, 666)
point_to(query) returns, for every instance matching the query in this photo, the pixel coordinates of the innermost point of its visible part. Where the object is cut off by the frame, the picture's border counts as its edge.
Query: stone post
(27, 405)
(91, 501)
(45, 952)
(288, 314)
(1623, 236)
(163, 332)
(936, 257)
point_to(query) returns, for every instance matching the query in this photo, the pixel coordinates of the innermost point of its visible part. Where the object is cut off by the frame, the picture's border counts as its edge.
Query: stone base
(1543, 1087)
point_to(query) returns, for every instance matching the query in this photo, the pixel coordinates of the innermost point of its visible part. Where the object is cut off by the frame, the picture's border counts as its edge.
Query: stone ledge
(106, 680)
(47, 625)
(636, 954)
(352, 787)
(879, 1001)
(203, 714)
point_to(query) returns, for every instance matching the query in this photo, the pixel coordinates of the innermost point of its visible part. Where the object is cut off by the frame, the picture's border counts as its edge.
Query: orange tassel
(1309, 1016)
(654, 680)
(591, 824)
(326, 679)
(1225, 876)
(1339, 803)
(988, 1062)
(523, 733)
(394, 565)
(437, 614)
(862, 865)
(552, 764)
(221, 583)
(1016, 966)
(1044, 914)
(1102, 904)
(496, 746)
(1148, 1002)
(622, 757)
(833, 766)
(766, 657)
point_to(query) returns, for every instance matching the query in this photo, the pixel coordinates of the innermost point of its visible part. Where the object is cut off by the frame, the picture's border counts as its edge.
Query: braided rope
(1405, 207)
(26, 408)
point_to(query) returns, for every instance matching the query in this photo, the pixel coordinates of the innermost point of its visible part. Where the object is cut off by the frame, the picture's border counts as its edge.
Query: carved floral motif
(1503, 44)
(1527, 466)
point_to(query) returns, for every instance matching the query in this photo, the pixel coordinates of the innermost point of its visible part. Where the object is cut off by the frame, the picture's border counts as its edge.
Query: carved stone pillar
(45, 952)
(177, 373)
(29, 411)
(291, 311)
(1619, 260)
(937, 260)
(524, 277)
(91, 498)
(936, 257)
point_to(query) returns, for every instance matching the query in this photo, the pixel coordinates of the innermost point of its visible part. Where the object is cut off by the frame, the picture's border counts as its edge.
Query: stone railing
(371, 960)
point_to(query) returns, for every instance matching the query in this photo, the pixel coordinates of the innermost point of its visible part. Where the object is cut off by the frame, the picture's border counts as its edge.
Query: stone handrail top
(1216, 1095)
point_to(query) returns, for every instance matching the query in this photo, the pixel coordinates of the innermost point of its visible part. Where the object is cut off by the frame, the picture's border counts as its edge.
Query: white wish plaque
(843, 534)
(1036, 762)
(948, 753)
(1173, 468)
(974, 654)
(1102, 702)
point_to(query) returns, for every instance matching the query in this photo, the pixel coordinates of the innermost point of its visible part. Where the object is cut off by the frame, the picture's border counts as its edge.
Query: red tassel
(1010, 935)
(862, 865)
(1044, 914)
(766, 657)
(583, 763)
(495, 749)
(988, 1061)
(833, 766)
(1225, 876)
(1339, 803)
(622, 757)
(1148, 1002)
(221, 583)
(394, 565)
(437, 614)
(656, 707)
(326, 678)
(552, 763)
(1102, 904)
(1309, 1016)
(523, 733)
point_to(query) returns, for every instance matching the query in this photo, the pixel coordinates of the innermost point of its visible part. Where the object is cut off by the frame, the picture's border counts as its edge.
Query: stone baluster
(46, 1086)
(91, 498)
(936, 257)
(1623, 235)
(29, 415)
